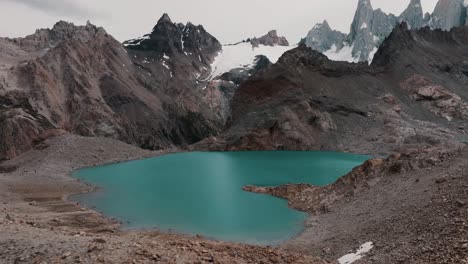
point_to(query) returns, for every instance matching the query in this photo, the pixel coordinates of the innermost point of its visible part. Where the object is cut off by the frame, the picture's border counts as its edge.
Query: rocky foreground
(412, 206)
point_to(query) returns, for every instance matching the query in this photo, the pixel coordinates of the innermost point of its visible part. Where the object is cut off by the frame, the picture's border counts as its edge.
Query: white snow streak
(165, 65)
(352, 257)
(140, 39)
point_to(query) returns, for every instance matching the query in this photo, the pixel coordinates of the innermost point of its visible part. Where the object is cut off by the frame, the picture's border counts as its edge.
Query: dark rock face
(168, 37)
(306, 101)
(270, 39)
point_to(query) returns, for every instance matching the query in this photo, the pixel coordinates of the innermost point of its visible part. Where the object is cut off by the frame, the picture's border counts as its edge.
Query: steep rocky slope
(80, 79)
(371, 26)
(411, 206)
(413, 94)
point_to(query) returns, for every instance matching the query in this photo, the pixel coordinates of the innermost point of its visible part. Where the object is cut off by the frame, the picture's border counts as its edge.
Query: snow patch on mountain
(243, 55)
(136, 41)
(344, 54)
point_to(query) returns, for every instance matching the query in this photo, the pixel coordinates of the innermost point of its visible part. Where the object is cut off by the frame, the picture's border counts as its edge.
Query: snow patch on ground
(243, 55)
(352, 257)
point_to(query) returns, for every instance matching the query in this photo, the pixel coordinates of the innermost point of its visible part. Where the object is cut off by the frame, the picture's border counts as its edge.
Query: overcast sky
(228, 20)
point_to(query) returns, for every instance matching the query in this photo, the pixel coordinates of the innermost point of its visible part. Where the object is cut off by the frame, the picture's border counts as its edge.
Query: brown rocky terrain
(412, 206)
(80, 79)
(413, 94)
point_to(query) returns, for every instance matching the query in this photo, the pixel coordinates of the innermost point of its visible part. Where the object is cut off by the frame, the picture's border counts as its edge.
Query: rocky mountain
(170, 38)
(412, 95)
(178, 85)
(270, 39)
(80, 79)
(322, 37)
(171, 87)
(371, 26)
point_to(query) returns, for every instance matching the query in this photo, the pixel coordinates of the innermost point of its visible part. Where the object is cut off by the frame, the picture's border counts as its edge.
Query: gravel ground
(413, 207)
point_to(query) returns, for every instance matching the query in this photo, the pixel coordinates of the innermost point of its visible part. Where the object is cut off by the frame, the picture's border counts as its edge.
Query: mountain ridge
(306, 101)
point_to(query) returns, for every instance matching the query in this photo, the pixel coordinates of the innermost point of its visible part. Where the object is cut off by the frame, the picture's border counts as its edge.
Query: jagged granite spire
(362, 18)
(370, 27)
(448, 14)
(322, 37)
(413, 14)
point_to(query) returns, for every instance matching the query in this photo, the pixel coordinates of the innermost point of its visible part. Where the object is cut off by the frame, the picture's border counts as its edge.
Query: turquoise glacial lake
(201, 192)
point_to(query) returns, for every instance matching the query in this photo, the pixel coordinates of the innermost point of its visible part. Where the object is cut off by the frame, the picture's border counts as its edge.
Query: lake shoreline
(35, 212)
(186, 192)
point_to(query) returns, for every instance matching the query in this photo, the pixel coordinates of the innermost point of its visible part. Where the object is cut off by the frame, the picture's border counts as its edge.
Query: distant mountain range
(371, 26)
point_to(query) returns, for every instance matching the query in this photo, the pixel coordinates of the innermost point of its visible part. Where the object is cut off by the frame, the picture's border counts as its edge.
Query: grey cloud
(57, 7)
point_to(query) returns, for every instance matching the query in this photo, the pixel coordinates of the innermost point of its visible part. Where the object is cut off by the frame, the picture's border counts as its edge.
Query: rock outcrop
(270, 39)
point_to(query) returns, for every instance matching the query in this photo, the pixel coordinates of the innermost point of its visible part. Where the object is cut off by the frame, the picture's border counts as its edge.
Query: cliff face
(413, 94)
(448, 14)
